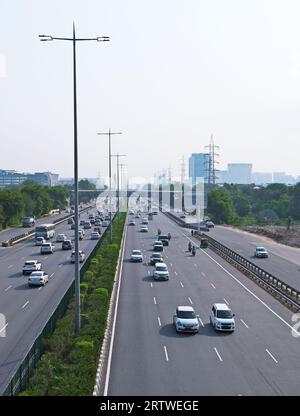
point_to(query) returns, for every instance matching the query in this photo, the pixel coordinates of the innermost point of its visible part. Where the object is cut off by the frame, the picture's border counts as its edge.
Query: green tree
(220, 206)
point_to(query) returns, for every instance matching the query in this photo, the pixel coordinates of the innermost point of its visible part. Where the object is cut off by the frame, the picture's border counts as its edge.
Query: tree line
(249, 204)
(31, 198)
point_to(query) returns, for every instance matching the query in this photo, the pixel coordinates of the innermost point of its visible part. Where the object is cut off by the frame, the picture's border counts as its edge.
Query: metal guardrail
(24, 236)
(21, 376)
(277, 287)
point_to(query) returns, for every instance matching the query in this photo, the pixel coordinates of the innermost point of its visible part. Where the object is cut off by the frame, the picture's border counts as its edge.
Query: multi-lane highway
(26, 310)
(13, 232)
(283, 261)
(149, 358)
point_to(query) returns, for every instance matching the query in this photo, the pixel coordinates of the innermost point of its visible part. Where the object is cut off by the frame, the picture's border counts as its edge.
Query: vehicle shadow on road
(24, 286)
(209, 331)
(168, 330)
(148, 278)
(17, 274)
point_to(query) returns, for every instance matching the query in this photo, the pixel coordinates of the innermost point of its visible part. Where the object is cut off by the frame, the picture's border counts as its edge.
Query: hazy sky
(174, 73)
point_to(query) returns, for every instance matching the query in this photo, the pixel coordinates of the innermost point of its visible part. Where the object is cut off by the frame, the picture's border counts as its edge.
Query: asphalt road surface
(26, 310)
(149, 358)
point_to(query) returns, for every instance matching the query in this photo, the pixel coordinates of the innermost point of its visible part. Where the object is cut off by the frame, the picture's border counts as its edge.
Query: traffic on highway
(195, 325)
(34, 276)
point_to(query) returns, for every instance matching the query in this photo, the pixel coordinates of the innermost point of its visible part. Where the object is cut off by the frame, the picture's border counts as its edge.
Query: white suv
(31, 266)
(47, 248)
(161, 272)
(221, 318)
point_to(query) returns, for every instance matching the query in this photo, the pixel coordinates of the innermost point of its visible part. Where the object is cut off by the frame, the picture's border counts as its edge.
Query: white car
(136, 255)
(221, 318)
(60, 238)
(161, 272)
(47, 248)
(145, 220)
(38, 278)
(31, 266)
(39, 241)
(261, 252)
(144, 229)
(185, 319)
(81, 256)
(95, 235)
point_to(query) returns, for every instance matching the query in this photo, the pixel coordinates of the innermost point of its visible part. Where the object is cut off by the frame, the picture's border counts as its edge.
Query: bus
(45, 230)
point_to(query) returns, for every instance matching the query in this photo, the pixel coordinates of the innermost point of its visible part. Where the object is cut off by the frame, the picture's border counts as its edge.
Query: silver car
(38, 278)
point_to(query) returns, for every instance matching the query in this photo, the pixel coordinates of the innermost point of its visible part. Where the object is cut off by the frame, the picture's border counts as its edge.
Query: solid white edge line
(273, 358)
(166, 353)
(243, 322)
(114, 322)
(217, 352)
(159, 321)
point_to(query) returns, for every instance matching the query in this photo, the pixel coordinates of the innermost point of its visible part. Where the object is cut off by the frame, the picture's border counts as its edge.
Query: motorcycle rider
(190, 246)
(194, 251)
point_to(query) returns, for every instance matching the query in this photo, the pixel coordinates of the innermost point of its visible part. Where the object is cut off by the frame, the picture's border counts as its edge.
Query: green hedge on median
(68, 366)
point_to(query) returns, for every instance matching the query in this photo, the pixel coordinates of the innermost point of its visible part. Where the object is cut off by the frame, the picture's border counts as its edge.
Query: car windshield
(156, 256)
(29, 263)
(161, 269)
(37, 274)
(136, 252)
(224, 314)
(260, 249)
(186, 314)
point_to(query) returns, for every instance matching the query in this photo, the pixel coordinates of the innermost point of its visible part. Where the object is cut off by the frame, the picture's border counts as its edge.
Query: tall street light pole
(109, 134)
(76, 211)
(122, 165)
(118, 181)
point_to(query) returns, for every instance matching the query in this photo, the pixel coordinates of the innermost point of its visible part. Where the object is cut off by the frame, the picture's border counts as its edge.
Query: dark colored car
(164, 239)
(156, 258)
(67, 245)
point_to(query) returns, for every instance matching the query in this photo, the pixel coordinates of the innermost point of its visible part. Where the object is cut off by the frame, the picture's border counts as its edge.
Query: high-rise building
(198, 163)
